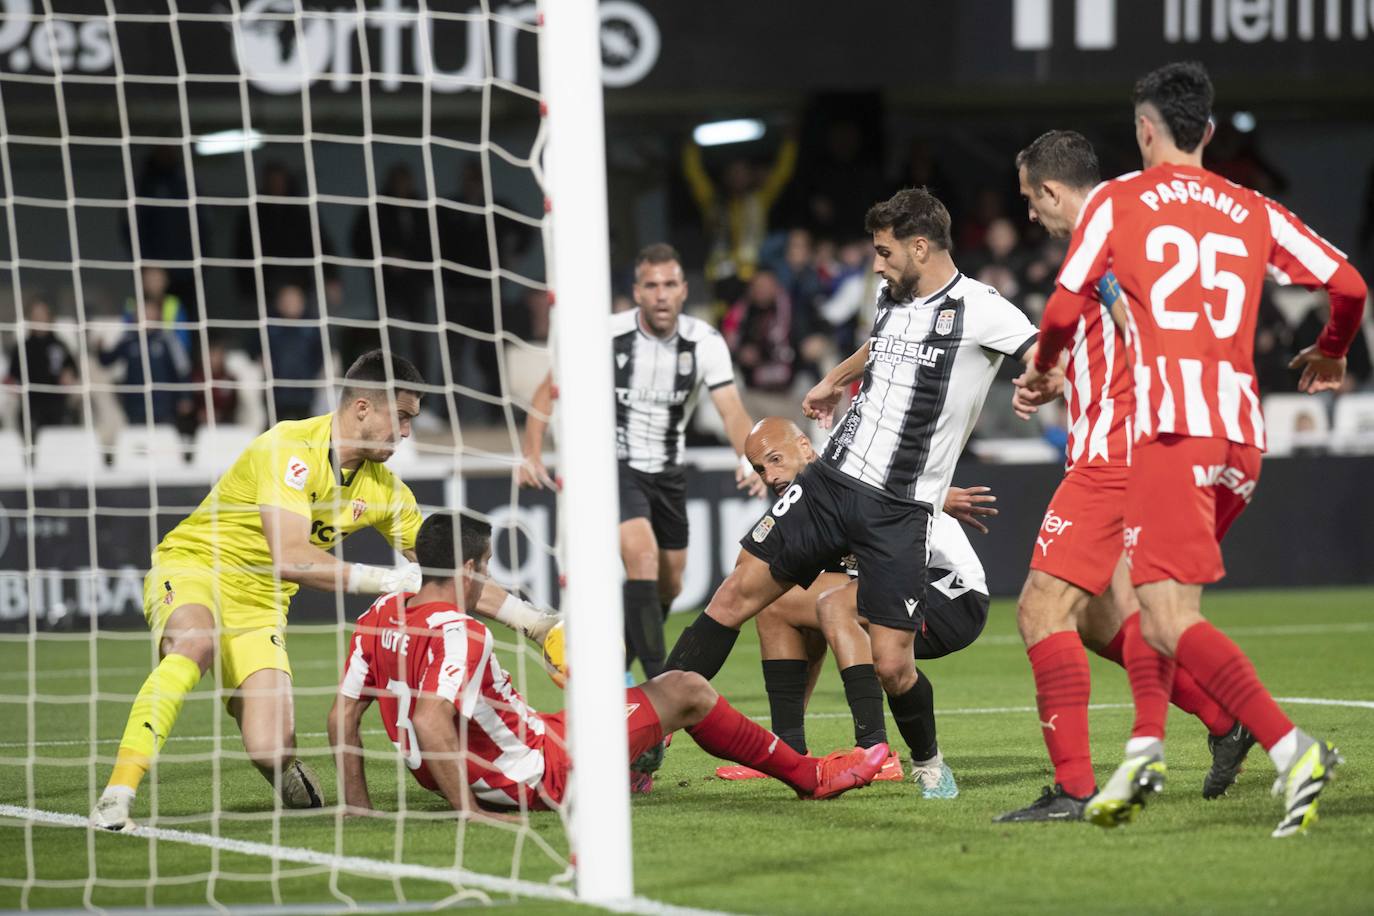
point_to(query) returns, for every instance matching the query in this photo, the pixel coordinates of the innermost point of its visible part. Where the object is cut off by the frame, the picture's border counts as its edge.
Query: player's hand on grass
(820, 402)
(970, 505)
(1319, 371)
(533, 475)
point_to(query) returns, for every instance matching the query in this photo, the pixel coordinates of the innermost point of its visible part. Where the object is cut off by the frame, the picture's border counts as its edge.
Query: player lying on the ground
(663, 360)
(795, 629)
(938, 341)
(221, 581)
(1192, 252)
(465, 733)
(1079, 589)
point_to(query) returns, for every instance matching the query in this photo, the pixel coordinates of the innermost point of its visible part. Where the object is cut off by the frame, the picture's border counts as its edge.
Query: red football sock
(728, 733)
(1152, 676)
(1186, 695)
(1062, 688)
(1112, 651)
(1224, 672)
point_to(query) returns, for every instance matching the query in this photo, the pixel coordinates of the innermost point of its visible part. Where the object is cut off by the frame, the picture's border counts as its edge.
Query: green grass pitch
(740, 847)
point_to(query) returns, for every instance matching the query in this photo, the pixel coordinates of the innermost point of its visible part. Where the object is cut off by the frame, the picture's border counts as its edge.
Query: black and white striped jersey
(657, 382)
(930, 364)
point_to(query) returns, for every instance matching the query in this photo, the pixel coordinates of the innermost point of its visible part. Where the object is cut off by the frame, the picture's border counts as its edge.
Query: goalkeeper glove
(518, 615)
(382, 580)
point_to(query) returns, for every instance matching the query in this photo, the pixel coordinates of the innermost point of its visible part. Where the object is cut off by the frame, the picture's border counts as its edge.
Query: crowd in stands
(784, 272)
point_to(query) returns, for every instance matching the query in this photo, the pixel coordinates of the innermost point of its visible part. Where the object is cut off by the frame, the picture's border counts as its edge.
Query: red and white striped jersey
(1098, 394)
(1191, 250)
(397, 654)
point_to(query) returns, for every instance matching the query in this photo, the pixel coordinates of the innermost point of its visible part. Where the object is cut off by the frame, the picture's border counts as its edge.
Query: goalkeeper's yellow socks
(155, 711)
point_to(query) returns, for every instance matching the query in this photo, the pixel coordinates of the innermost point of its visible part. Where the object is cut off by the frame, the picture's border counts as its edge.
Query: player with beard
(937, 343)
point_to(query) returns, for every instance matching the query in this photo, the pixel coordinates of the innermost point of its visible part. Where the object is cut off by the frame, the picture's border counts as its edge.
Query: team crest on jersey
(763, 528)
(621, 359)
(685, 363)
(359, 507)
(944, 322)
(296, 472)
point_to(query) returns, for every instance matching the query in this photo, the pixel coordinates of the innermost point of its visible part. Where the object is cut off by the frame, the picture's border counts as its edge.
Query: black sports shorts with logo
(947, 624)
(821, 517)
(661, 498)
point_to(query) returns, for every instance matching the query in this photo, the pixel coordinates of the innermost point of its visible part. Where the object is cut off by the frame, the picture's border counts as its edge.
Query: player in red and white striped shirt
(467, 734)
(1191, 251)
(1079, 590)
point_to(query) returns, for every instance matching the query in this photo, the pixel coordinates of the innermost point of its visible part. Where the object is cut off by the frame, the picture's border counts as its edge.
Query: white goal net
(209, 210)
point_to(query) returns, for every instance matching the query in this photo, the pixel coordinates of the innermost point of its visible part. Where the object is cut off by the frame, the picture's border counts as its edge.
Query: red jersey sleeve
(452, 662)
(1299, 256)
(358, 674)
(1089, 257)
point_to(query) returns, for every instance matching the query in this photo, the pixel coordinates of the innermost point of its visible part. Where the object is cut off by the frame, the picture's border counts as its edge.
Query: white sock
(1285, 750)
(128, 792)
(1137, 746)
(935, 761)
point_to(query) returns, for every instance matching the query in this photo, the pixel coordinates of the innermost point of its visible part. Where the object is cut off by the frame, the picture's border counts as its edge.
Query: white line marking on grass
(966, 711)
(456, 877)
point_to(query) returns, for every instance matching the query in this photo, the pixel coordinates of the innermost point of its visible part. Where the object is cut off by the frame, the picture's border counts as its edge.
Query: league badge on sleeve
(763, 528)
(296, 473)
(944, 322)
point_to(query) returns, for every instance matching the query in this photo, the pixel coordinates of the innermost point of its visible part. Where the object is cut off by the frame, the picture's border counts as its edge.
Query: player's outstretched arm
(737, 427)
(295, 559)
(442, 749)
(820, 402)
(346, 740)
(971, 505)
(532, 472)
(498, 604)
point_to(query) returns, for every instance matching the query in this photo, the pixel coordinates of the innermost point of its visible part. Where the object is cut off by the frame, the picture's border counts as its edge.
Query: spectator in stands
(153, 384)
(403, 232)
(735, 214)
(45, 363)
(1273, 347)
(295, 354)
(285, 230)
(213, 376)
(795, 267)
(171, 311)
(164, 231)
(771, 346)
(470, 298)
(999, 264)
(987, 207)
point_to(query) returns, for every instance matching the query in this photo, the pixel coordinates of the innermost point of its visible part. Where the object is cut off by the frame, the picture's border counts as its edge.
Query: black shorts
(949, 624)
(821, 517)
(661, 498)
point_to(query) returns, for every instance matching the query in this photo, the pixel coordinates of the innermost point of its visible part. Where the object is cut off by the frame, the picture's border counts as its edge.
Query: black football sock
(865, 696)
(914, 713)
(644, 625)
(785, 681)
(667, 609)
(703, 647)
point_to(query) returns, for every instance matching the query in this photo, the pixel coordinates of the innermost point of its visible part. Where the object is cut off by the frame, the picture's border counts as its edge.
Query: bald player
(795, 630)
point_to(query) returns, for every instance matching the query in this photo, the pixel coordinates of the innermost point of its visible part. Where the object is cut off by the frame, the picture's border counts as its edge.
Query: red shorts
(1079, 540)
(641, 723)
(1183, 496)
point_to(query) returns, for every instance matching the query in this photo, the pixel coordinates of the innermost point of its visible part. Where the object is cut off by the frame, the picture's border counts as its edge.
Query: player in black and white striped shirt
(663, 359)
(935, 349)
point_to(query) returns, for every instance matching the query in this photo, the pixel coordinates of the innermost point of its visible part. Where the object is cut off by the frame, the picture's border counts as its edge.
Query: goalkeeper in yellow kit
(221, 581)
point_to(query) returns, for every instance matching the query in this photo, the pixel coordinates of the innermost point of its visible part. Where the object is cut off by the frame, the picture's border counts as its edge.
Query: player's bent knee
(897, 673)
(692, 694)
(199, 648)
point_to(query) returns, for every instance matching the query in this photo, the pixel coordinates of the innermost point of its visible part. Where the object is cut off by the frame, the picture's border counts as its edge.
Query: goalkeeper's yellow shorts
(250, 618)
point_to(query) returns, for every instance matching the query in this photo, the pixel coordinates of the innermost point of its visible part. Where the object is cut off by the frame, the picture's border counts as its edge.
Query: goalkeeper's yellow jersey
(291, 467)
